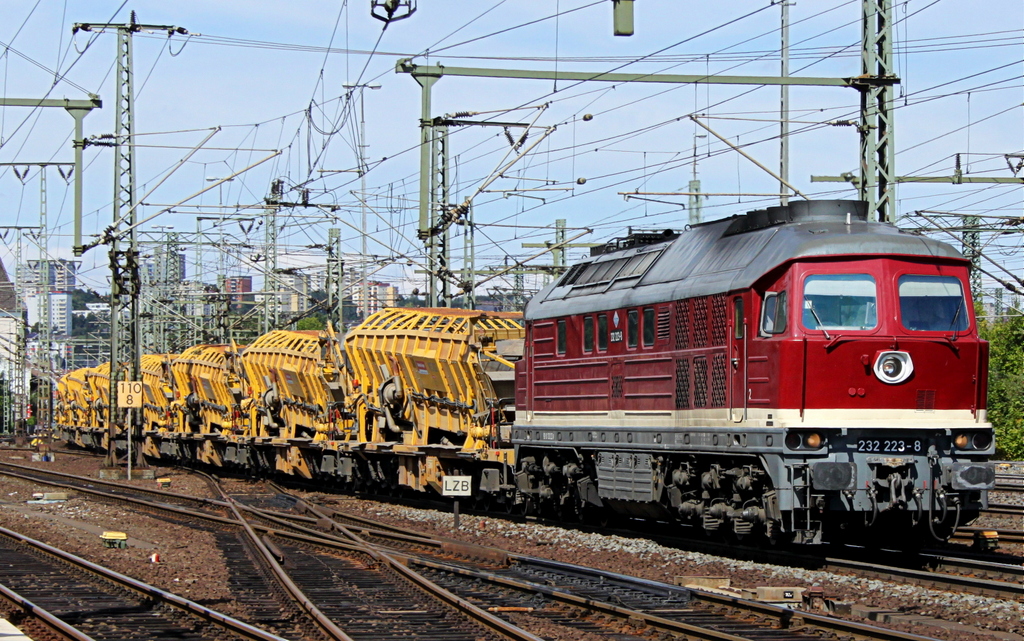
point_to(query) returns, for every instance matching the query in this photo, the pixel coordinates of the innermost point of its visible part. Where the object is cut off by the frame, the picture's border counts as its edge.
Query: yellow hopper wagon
(94, 434)
(298, 391)
(424, 398)
(62, 414)
(76, 398)
(158, 395)
(208, 401)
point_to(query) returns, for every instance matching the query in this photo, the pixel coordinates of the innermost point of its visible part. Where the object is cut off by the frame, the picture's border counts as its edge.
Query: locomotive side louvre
(752, 412)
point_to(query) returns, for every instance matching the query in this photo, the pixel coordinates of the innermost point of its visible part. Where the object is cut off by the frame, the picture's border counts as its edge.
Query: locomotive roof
(727, 255)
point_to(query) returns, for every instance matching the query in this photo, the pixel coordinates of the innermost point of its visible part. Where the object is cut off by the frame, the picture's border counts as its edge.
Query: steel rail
(45, 616)
(127, 499)
(1004, 508)
(1005, 535)
(984, 587)
(324, 622)
(112, 484)
(785, 617)
(134, 585)
(483, 617)
(921, 577)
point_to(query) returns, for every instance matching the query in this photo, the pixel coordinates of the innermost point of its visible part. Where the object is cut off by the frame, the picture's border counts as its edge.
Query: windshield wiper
(810, 306)
(956, 317)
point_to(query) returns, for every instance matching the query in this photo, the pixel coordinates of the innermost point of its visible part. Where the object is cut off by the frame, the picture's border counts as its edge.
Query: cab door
(737, 341)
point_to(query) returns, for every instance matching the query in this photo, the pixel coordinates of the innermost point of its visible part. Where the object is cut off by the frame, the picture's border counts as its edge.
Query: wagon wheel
(509, 503)
(484, 502)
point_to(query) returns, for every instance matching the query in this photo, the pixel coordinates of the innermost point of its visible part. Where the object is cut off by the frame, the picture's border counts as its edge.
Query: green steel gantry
(125, 281)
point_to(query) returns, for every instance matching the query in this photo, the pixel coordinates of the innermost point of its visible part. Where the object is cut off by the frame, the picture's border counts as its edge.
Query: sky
(268, 81)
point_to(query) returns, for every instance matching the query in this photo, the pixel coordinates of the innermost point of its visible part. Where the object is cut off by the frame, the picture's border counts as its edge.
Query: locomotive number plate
(891, 445)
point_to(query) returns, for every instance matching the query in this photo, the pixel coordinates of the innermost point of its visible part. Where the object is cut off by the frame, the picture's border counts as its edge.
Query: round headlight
(961, 441)
(893, 367)
(793, 441)
(981, 440)
(812, 441)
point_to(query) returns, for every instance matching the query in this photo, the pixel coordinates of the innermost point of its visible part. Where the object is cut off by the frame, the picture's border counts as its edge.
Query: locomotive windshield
(840, 301)
(932, 303)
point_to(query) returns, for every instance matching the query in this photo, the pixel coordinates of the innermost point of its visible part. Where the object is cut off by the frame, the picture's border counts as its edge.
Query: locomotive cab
(890, 417)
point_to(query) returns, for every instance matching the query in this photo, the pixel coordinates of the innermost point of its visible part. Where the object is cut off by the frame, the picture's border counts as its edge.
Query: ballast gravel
(642, 557)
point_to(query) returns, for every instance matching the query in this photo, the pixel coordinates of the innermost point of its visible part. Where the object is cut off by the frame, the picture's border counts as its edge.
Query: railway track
(313, 583)
(969, 573)
(572, 595)
(292, 535)
(1006, 535)
(335, 572)
(1005, 508)
(81, 600)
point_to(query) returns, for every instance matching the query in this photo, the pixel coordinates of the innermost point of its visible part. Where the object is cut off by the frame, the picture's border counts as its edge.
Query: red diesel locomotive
(797, 372)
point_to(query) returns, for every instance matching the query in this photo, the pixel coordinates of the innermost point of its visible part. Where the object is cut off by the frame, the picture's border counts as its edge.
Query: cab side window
(561, 337)
(648, 327)
(773, 313)
(737, 318)
(632, 327)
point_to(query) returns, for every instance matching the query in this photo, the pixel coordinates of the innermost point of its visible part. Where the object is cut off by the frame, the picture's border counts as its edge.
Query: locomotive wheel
(567, 511)
(508, 502)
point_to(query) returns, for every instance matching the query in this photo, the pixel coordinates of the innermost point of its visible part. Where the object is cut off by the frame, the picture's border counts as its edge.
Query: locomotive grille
(718, 381)
(664, 324)
(718, 319)
(682, 324)
(682, 384)
(700, 381)
(699, 327)
(616, 387)
(573, 274)
(925, 400)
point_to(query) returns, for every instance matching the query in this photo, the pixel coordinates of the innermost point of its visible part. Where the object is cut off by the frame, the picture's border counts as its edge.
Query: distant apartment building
(196, 298)
(239, 288)
(379, 295)
(61, 277)
(238, 285)
(60, 311)
(293, 292)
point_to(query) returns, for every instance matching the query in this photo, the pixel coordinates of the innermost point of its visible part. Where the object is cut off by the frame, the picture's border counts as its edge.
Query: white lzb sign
(129, 394)
(457, 486)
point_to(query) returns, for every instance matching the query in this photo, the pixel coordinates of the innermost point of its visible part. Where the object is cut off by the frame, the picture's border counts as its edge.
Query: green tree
(1006, 383)
(311, 322)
